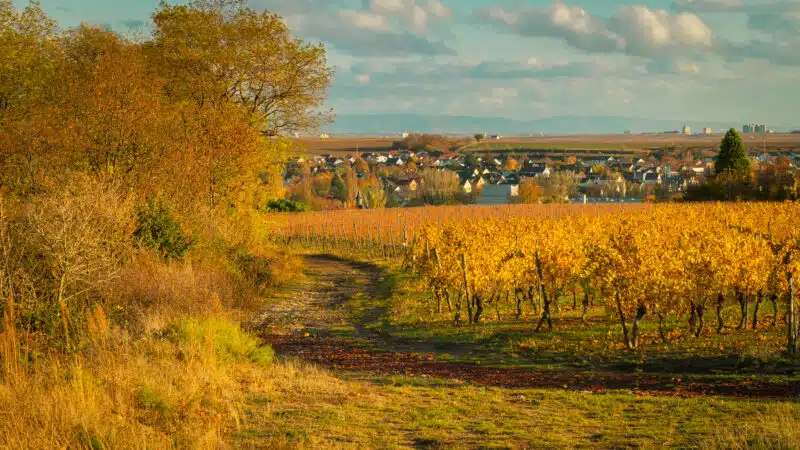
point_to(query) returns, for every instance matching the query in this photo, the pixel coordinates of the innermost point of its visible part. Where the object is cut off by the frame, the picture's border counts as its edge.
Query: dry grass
(178, 385)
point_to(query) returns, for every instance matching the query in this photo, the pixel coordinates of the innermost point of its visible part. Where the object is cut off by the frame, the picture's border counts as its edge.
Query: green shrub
(282, 205)
(149, 398)
(230, 342)
(156, 228)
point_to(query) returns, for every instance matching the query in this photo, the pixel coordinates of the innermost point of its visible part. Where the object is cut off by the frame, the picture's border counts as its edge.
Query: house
(651, 178)
(467, 187)
(541, 171)
(324, 136)
(497, 194)
(407, 186)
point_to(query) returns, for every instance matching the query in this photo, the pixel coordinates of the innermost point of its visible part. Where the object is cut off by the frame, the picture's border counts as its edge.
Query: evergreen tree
(732, 156)
(338, 189)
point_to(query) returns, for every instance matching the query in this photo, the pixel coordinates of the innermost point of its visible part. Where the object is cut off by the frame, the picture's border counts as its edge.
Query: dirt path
(309, 320)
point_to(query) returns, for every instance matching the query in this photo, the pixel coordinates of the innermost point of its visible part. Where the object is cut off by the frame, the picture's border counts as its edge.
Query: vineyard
(659, 263)
(390, 232)
(662, 264)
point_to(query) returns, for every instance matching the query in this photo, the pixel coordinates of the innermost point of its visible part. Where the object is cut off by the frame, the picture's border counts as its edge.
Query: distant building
(686, 129)
(754, 128)
(497, 194)
(324, 136)
(707, 131)
(404, 134)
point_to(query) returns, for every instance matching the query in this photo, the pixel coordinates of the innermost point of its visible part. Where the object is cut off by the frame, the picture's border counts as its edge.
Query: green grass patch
(227, 339)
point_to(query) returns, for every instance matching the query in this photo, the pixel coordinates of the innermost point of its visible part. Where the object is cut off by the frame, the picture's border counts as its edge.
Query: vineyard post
(543, 290)
(466, 287)
(439, 268)
(379, 239)
(792, 322)
(405, 240)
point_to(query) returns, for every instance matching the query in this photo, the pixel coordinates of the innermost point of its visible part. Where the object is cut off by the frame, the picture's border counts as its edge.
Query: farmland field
(588, 145)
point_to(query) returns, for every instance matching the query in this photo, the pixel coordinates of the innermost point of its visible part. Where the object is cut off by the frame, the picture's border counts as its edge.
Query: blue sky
(692, 60)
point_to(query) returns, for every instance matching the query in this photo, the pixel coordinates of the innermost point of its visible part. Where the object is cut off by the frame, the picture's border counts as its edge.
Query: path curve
(308, 319)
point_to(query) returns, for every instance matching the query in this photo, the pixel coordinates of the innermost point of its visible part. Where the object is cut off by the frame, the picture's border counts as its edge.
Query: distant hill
(391, 124)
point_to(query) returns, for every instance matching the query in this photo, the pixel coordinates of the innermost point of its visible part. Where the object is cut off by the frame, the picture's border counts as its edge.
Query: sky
(691, 60)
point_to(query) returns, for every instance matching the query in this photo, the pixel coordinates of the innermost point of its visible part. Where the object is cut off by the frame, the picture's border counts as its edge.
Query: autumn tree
(529, 191)
(211, 56)
(112, 105)
(510, 164)
(439, 187)
(374, 197)
(29, 45)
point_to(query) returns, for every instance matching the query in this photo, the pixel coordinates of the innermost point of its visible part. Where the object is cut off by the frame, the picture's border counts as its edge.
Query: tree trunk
(693, 319)
(497, 305)
(701, 312)
(545, 301)
(457, 316)
(532, 299)
(759, 299)
(585, 308)
(518, 298)
(640, 312)
(625, 336)
(466, 286)
(720, 320)
(792, 313)
(661, 327)
(774, 298)
(447, 299)
(478, 308)
(574, 299)
(554, 301)
(743, 306)
(438, 296)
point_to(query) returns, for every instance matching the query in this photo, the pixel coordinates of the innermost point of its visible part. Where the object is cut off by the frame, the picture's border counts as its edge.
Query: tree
(374, 197)
(510, 164)
(559, 187)
(529, 191)
(478, 137)
(439, 187)
(211, 55)
(732, 155)
(337, 188)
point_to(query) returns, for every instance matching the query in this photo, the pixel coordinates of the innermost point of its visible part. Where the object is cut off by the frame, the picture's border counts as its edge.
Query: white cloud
(417, 13)
(634, 30)
(364, 20)
(359, 32)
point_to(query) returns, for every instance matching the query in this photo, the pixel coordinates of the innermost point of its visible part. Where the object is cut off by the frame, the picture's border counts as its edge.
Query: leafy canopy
(732, 155)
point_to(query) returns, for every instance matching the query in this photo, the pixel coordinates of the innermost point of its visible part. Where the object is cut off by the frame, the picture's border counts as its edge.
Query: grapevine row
(648, 262)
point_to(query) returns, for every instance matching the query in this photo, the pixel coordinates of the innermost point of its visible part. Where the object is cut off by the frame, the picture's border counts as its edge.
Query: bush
(230, 343)
(280, 205)
(156, 228)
